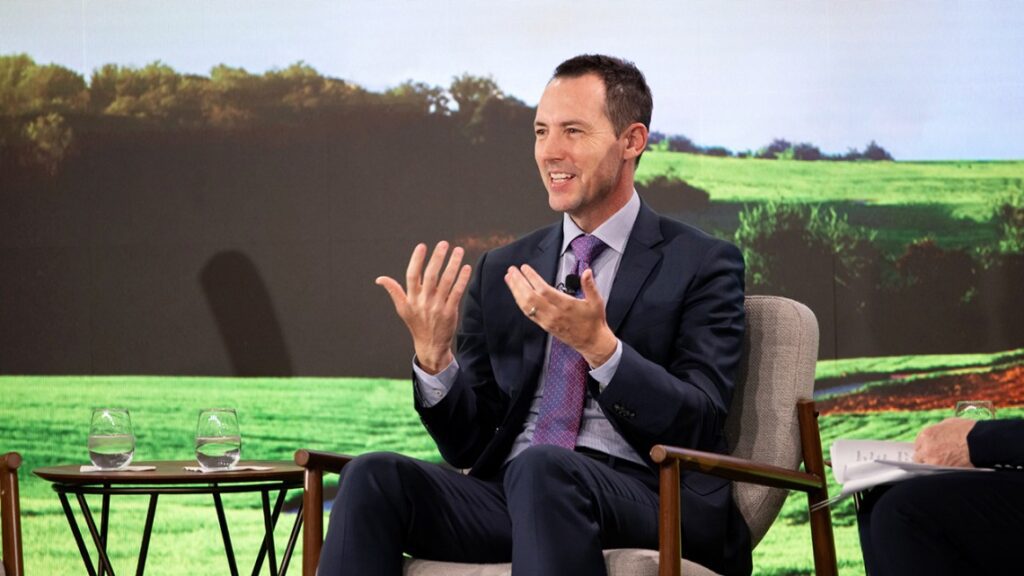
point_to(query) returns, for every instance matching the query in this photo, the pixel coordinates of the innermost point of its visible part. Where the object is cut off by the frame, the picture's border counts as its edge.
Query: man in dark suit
(554, 398)
(956, 522)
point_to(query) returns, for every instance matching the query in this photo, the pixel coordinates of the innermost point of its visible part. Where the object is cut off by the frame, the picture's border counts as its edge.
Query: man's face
(579, 155)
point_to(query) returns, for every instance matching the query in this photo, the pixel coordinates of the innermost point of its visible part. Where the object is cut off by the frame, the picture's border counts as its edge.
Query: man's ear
(636, 140)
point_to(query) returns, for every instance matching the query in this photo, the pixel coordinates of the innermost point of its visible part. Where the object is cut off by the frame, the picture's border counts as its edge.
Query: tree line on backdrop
(36, 100)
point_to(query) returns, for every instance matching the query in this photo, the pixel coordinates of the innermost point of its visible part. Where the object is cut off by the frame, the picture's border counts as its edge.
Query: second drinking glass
(218, 440)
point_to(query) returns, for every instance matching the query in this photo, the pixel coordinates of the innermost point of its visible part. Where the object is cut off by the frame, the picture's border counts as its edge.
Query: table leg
(104, 514)
(224, 532)
(144, 549)
(101, 548)
(77, 533)
(287, 556)
(269, 524)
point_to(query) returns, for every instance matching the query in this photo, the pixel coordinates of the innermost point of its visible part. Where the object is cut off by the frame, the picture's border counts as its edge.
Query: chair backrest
(11, 564)
(777, 369)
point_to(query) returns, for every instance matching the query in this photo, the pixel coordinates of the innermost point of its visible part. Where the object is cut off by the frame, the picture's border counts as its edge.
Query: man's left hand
(580, 323)
(945, 443)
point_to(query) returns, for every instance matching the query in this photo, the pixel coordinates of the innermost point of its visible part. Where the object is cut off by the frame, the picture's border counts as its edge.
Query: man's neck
(615, 229)
(615, 201)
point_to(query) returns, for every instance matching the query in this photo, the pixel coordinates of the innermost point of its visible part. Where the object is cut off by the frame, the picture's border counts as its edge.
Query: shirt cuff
(605, 372)
(433, 388)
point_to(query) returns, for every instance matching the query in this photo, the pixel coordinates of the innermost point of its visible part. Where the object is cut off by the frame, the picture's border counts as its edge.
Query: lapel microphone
(572, 285)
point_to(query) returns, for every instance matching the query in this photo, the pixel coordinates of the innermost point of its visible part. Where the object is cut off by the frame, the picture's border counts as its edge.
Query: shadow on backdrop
(245, 316)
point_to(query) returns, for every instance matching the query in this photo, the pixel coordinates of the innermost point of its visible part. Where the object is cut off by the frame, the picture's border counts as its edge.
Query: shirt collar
(614, 232)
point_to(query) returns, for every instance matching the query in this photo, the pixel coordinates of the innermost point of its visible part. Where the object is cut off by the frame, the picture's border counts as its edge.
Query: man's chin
(561, 203)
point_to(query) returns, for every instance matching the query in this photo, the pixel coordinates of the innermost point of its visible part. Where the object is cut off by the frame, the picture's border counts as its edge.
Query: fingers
(589, 285)
(920, 445)
(423, 283)
(430, 280)
(451, 271)
(918, 451)
(461, 281)
(522, 289)
(414, 269)
(393, 288)
(535, 280)
(533, 294)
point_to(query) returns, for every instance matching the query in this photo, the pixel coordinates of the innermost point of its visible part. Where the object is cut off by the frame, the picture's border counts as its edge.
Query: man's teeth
(560, 176)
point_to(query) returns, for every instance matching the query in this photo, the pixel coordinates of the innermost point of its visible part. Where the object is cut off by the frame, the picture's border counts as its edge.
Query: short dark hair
(627, 96)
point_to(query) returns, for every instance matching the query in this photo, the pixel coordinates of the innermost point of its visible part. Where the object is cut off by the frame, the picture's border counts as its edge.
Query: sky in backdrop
(927, 79)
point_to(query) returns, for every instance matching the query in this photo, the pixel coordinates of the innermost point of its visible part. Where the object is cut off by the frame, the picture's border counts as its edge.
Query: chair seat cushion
(620, 562)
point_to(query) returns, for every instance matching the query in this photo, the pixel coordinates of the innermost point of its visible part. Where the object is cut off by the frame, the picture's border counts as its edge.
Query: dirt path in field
(1002, 387)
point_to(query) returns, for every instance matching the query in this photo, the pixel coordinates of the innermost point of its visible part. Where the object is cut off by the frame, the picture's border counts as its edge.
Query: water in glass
(111, 438)
(218, 452)
(218, 440)
(111, 451)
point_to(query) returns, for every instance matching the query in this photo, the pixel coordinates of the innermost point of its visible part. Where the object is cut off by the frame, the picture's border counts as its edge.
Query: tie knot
(586, 248)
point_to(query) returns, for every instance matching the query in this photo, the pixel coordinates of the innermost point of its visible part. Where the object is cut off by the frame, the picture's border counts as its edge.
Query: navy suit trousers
(955, 523)
(550, 511)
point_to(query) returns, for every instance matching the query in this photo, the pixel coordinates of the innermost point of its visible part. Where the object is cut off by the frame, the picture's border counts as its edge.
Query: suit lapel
(544, 260)
(638, 261)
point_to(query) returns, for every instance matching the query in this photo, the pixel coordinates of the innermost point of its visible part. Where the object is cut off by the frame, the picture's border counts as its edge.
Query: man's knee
(372, 474)
(904, 506)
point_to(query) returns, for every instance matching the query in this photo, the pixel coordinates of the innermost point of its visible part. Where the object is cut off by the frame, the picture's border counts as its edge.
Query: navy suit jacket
(997, 444)
(677, 306)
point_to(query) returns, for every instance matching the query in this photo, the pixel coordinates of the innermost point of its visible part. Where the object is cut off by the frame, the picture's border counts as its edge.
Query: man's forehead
(587, 82)
(567, 98)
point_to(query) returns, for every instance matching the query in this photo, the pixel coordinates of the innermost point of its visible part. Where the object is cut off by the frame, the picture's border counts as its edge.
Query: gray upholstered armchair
(772, 427)
(12, 563)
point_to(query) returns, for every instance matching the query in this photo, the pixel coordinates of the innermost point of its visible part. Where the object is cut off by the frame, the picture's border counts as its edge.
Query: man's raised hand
(429, 304)
(580, 323)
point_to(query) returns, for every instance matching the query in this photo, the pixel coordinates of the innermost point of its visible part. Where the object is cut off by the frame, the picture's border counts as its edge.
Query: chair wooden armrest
(671, 459)
(320, 460)
(737, 469)
(10, 511)
(316, 462)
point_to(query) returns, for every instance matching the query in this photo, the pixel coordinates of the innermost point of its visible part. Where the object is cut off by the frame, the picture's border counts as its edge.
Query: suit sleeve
(997, 444)
(681, 397)
(463, 422)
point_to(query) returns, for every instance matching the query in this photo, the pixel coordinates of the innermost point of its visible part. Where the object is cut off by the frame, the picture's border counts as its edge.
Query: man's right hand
(429, 305)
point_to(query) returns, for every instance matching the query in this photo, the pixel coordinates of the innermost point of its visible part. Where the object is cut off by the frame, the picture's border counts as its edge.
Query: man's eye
(573, 131)
(540, 132)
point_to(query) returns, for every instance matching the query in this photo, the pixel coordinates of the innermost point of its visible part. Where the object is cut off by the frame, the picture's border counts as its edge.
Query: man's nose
(551, 148)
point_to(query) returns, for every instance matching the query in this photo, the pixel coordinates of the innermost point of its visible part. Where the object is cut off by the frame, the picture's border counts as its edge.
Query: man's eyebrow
(564, 123)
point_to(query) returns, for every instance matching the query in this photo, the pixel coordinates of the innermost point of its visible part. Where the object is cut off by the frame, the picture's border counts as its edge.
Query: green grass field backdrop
(951, 202)
(46, 419)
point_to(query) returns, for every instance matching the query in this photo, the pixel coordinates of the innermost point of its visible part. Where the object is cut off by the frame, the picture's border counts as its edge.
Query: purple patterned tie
(561, 406)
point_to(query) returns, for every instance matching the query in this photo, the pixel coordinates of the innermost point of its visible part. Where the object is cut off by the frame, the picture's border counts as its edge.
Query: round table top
(173, 472)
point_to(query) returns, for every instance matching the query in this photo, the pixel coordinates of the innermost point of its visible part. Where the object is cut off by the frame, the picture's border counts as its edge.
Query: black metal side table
(170, 477)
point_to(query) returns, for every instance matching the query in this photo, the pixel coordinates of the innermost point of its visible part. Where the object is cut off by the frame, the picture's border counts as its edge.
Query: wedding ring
(532, 312)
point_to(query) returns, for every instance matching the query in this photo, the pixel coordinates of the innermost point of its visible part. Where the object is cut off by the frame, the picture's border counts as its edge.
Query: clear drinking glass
(975, 409)
(218, 440)
(111, 439)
